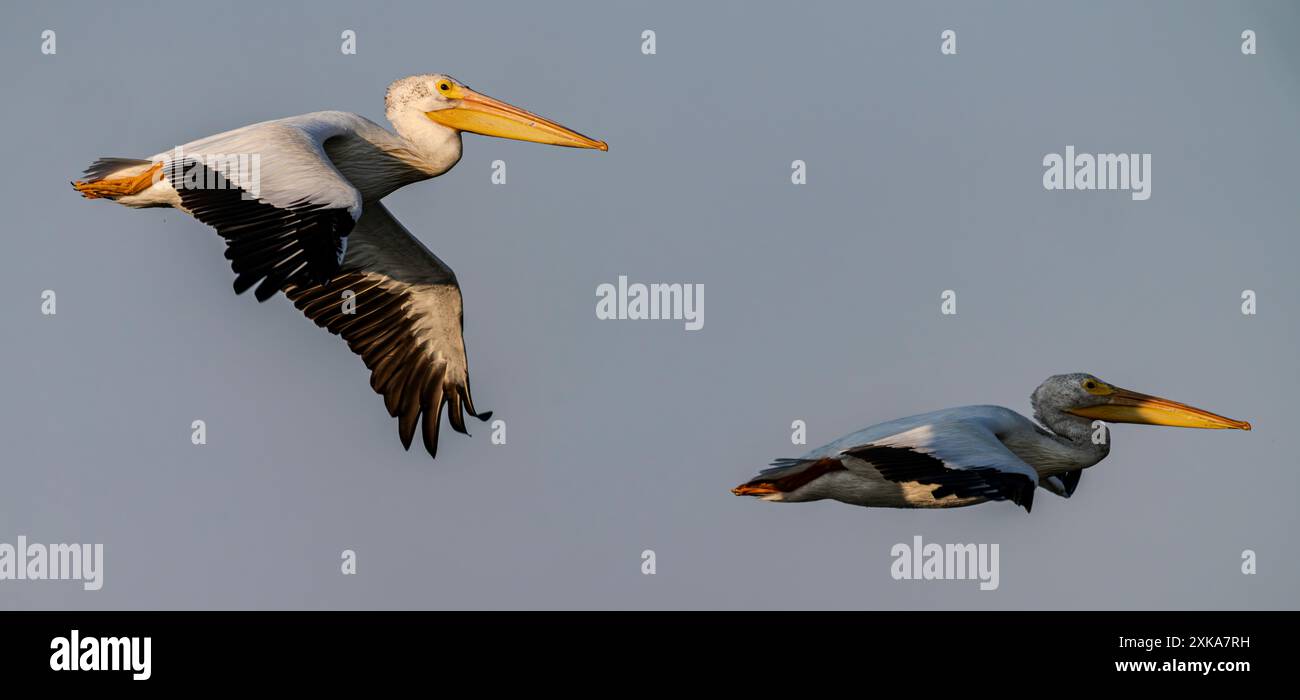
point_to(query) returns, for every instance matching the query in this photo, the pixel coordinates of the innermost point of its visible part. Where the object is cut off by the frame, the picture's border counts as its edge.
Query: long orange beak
(1126, 406)
(480, 114)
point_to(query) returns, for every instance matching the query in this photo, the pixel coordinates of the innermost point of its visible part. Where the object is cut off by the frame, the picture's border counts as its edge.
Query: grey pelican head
(1068, 403)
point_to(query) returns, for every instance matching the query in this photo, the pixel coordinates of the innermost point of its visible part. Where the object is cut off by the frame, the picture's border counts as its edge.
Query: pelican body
(973, 454)
(298, 202)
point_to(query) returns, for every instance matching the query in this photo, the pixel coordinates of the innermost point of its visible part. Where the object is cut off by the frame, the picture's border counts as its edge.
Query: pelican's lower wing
(962, 458)
(399, 307)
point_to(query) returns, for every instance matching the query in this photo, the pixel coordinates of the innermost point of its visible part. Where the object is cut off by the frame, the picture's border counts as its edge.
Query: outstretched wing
(399, 307)
(961, 455)
(272, 192)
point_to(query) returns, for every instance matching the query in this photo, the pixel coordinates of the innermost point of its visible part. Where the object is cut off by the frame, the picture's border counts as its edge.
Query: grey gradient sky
(924, 174)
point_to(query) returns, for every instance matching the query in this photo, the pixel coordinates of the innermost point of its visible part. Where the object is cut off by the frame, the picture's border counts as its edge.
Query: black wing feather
(268, 246)
(902, 464)
(384, 333)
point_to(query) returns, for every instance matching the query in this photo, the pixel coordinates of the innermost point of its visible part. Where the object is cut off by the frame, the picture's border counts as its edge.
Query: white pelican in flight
(972, 454)
(306, 219)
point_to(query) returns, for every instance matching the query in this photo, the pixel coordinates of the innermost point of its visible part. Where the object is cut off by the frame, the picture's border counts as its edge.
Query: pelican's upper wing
(272, 192)
(398, 306)
(958, 450)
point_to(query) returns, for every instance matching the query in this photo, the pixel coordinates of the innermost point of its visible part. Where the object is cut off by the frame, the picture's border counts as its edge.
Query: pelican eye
(1092, 386)
(444, 86)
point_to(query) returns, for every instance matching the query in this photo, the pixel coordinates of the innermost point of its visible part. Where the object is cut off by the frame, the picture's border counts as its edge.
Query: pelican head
(450, 104)
(1085, 396)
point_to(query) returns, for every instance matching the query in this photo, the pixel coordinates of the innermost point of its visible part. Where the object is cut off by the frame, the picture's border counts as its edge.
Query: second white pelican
(972, 454)
(297, 201)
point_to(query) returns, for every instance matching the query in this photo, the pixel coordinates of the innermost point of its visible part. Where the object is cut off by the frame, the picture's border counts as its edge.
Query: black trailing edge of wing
(901, 464)
(267, 246)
